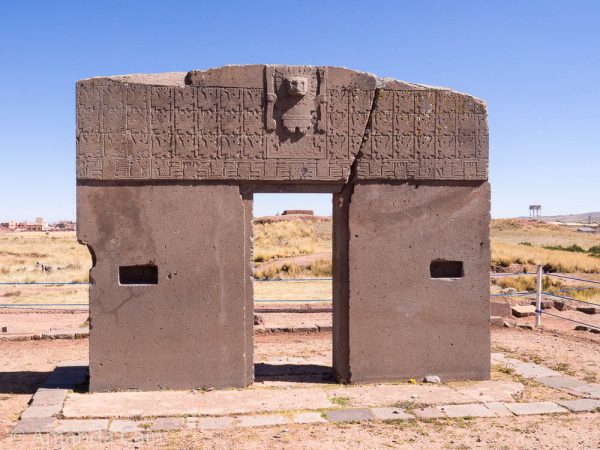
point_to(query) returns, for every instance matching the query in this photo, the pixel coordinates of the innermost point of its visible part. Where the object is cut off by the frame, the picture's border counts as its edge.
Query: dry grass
(282, 290)
(320, 268)
(23, 254)
(284, 239)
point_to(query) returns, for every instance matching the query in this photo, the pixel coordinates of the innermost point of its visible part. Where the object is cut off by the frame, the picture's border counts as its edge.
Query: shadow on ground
(299, 373)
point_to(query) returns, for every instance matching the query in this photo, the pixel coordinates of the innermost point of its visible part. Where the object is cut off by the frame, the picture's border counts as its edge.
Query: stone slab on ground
(490, 391)
(210, 423)
(261, 421)
(468, 410)
(561, 382)
(126, 426)
(589, 390)
(530, 370)
(41, 411)
(49, 397)
(430, 412)
(350, 415)
(81, 426)
(523, 310)
(167, 424)
(497, 321)
(35, 426)
(531, 408)
(580, 405)
(308, 417)
(499, 409)
(391, 414)
(589, 309)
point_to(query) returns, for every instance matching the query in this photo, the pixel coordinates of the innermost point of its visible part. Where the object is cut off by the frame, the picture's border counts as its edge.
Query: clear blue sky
(536, 63)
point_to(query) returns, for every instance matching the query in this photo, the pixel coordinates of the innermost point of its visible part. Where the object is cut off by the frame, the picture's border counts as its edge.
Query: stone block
(589, 309)
(498, 409)
(35, 425)
(391, 414)
(561, 382)
(167, 424)
(580, 404)
(308, 417)
(497, 321)
(534, 408)
(128, 426)
(468, 410)
(49, 397)
(562, 305)
(41, 411)
(81, 426)
(210, 423)
(499, 308)
(523, 310)
(349, 415)
(261, 421)
(429, 412)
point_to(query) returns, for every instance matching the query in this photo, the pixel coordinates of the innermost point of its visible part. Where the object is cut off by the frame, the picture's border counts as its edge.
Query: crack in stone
(353, 175)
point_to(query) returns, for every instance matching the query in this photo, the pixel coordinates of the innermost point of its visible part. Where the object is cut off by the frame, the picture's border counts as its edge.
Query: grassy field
(41, 257)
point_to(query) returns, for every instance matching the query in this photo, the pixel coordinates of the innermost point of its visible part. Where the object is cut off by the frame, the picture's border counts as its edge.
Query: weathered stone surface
(430, 412)
(350, 415)
(308, 417)
(499, 308)
(41, 411)
(261, 421)
(201, 337)
(432, 379)
(391, 414)
(561, 382)
(561, 305)
(580, 404)
(589, 309)
(49, 397)
(167, 424)
(523, 310)
(468, 410)
(497, 321)
(128, 426)
(498, 409)
(167, 166)
(248, 123)
(81, 426)
(525, 409)
(35, 425)
(440, 323)
(210, 423)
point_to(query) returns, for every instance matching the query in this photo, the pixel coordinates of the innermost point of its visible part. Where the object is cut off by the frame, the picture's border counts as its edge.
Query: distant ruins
(167, 165)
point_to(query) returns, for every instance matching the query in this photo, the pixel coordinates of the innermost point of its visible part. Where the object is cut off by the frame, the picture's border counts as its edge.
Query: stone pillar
(418, 283)
(171, 298)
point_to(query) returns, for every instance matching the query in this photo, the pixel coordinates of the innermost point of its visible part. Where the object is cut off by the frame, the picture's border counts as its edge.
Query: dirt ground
(24, 365)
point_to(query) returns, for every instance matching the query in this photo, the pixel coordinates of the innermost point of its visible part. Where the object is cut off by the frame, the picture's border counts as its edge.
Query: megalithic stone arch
(167, 165)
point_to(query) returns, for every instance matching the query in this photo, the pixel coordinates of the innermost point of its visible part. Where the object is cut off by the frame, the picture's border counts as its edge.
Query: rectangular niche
(138, 275)
(440, 268)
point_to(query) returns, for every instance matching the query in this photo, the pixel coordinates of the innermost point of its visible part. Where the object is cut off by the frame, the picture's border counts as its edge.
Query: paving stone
(210, 423)
(126, 426)
(468, 410)
(561, 382)
(391, 414)
(260, 421)
(531, 370)
(41, 411)
(349, 415)
(35, 426)
(525, 409)
(430, 412)
(580, 405)
(590, 390)
(498, 409)
(49, 397)
(167, 424)
(308, 417)
(523, 310)
(81, 426)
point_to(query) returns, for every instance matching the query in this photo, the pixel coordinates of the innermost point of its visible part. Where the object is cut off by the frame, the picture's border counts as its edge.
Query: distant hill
(578, 218)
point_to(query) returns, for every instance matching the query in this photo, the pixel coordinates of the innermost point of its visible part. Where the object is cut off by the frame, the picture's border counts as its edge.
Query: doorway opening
(292, 259)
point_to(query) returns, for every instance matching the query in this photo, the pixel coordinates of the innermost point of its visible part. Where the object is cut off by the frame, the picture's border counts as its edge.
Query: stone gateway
(167, 165)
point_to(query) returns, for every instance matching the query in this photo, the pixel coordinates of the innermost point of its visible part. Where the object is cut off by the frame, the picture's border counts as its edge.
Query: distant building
(295, 212)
